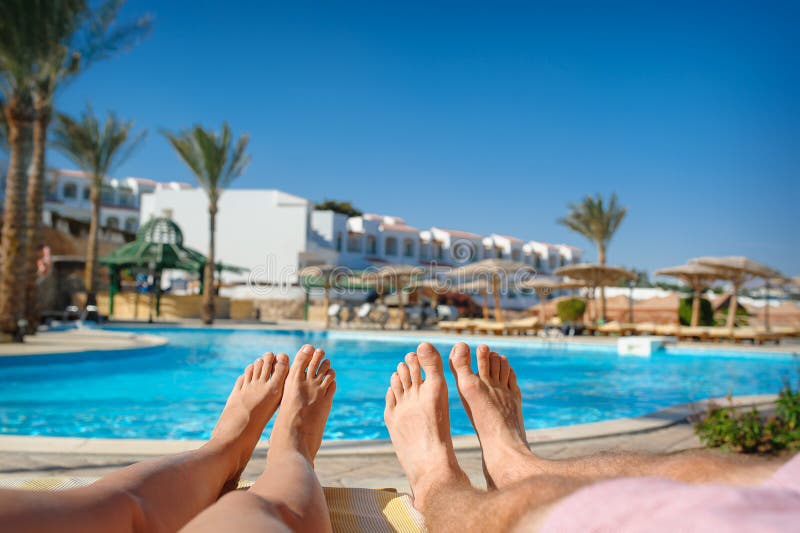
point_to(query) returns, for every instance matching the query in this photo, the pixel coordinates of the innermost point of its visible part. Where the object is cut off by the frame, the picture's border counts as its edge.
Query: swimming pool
(177, 391)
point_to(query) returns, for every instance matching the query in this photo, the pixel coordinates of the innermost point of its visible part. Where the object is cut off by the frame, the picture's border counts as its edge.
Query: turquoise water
(178, 390)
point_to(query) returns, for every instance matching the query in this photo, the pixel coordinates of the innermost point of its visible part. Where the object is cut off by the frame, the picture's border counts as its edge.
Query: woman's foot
(252, 402)
(493, 402)
(418, 419)
(307, 400)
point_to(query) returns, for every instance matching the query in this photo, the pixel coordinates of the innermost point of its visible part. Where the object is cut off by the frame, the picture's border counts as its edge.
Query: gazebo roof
(159, 243)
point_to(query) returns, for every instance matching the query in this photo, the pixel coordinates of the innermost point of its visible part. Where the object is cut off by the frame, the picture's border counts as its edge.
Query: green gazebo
(158, 246)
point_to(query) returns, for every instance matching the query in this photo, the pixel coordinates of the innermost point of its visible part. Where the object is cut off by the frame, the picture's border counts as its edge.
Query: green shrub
(571, 310)
(705, 318)
(732, 429)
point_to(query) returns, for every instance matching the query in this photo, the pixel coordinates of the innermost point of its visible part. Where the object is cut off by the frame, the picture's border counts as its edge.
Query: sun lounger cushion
(351, 510)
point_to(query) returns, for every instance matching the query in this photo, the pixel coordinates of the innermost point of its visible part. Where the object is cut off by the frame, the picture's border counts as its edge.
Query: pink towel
(655, 504)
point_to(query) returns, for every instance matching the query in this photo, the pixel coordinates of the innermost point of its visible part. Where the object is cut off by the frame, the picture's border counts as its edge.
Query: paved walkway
(79, 340)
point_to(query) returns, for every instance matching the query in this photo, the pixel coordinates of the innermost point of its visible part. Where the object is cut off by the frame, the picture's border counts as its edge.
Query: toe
(494, 367)
(391, 401)
(396, 386)
(258, 366)
(301, 360)
(269, 363)
(329, 378)
(505, 370)
(281, 367)
(323, 368)
(460, 361)
(239, 383)
(248, 374)
(413, 365)
(316, 359)
(431, 361)
(483, 361)
(405, 375)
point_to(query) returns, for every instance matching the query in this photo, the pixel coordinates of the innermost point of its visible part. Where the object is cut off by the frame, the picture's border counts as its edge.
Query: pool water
(177, 391)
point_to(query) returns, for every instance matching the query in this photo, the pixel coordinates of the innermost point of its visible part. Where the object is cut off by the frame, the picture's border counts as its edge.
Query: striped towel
(352, 510)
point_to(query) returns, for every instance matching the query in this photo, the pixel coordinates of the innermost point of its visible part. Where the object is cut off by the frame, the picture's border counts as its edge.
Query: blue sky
(493, 116)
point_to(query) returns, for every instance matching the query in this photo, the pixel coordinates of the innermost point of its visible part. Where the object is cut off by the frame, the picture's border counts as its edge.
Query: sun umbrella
(596, 275)
(487, 275)
(738, 270)
(398, 276)
(697, 276)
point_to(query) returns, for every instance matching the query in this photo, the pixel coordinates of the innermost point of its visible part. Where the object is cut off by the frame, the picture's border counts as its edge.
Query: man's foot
(307, 400)
(252, 402)
(418, 419)
(493, 402)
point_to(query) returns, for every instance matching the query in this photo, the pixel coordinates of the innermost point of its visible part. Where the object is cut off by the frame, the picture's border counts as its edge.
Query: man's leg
(493, 402)
(161, 494)
(418, 419)
(287, 496)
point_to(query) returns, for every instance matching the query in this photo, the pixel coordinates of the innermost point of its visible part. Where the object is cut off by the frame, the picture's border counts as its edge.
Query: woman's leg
(287, 496)
(161, 494)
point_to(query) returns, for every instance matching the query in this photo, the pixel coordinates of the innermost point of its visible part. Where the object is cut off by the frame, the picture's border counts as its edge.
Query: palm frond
(94, 149)
(594, 219)
(211, 156)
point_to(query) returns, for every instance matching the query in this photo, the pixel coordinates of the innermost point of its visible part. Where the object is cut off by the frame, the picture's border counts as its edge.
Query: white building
(67, 194)
(273, 234)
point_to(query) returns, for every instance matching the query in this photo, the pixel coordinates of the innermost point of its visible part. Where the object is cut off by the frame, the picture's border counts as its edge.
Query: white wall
(263, 230)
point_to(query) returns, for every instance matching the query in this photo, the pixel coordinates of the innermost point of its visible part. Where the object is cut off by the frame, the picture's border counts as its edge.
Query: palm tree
(18, 53)
(73, 36)
(215, 161)
(598, 222)
(97, 150)
(42, 44)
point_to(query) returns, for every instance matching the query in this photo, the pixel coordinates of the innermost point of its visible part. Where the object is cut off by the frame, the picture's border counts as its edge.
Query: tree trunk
(36, 185)
(732, 306)
(498, 311)
(14, 267)
(695, 307)
(90, 272)
(601, 258)
(208, 286)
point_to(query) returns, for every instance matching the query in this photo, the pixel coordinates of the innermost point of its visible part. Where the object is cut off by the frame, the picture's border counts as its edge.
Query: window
(87, 193)
(112, 222)
(107, 194)
(70, 190)
(537, 261)
(338, 241)
(424, 250)
(488, 252)
(552, 262)
(438, 251)
(515, 255)
(372, 244)
(562, 260)
(353, 242)
(390, 246)
(408, 247)
(130, 224)
(126, 196)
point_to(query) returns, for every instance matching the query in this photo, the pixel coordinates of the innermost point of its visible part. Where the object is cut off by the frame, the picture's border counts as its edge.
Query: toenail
(307, 348)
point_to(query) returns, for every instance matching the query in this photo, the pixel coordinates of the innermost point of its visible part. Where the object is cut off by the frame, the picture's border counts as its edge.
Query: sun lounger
(757, 336)
(668, 330)
(523, 326)
(616, 328)
(457, 326)
(645, 328)
(692, 333)
(351, 510)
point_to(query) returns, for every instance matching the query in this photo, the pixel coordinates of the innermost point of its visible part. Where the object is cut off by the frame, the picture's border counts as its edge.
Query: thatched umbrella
(436, 286)
(487, 274)
(546, 285)
(738, 270)
(596, 275)
(697, 276)
(325, 275)
(398, 276)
